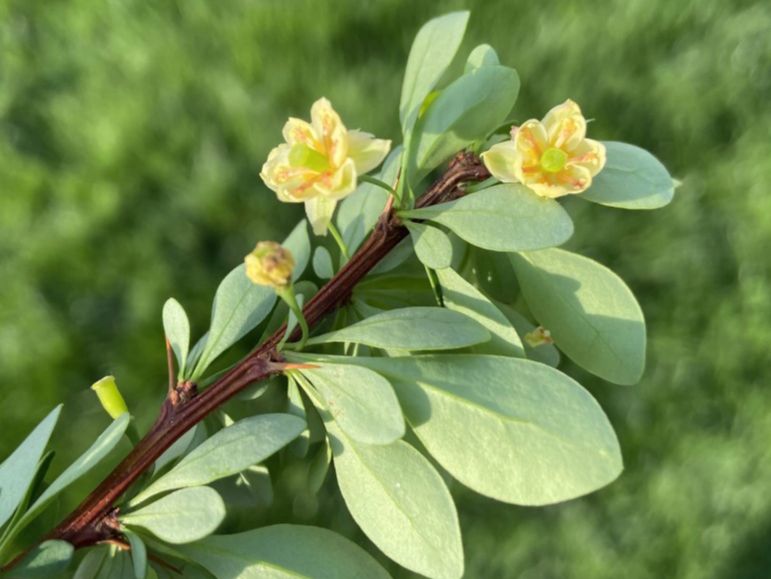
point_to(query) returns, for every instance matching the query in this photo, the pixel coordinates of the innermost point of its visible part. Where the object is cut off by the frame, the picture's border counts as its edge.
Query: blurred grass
(131, 135)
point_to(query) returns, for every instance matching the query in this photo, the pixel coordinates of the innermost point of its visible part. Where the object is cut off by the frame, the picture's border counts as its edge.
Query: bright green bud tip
(553, 160)
(110, 397)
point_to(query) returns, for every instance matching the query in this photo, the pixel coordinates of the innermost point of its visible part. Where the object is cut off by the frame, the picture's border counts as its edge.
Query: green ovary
(553, 160)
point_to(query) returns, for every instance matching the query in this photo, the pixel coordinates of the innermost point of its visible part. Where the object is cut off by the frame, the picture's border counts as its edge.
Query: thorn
(292, 366)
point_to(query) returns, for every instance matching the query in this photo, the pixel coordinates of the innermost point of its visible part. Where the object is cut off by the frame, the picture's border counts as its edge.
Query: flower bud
(110, 397)
(539, 337)
(270, 264)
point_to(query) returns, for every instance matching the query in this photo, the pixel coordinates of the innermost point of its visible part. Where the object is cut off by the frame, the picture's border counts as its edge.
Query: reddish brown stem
(184, 408)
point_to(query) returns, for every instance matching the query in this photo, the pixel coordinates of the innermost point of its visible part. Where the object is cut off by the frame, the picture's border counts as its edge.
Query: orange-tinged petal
(330, 130)
(531, 140)
(297, 131)
(565, 125)
(366, 151)
(574, 179)
(338, 184)
(590, 154)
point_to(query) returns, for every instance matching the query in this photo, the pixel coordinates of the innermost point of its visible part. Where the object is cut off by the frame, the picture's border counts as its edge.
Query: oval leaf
(401, 503)
(138, 554)
(322, 263)
(284, 551)
(432, 52)
(531, 436)
(482, 55)
(462, 297)
(505, 217)
(46, 560)
(177, 329)
(181, 517)
(432, 246)
(418, 328)
(227, 452)
(632, 179)
(361, 401)
(467, 110)
(18, 471)
(592, 315)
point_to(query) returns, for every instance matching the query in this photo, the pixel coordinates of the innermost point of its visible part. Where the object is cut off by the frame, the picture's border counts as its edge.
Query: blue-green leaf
(416, 328)
(432, 246)
(18, 471)
(469, 109)
(183, 516)
(284, 552)
(632, 179)
(462, 297)
(505, 217)
(227, 452)
(361, 401)
(177, 329)
(138, 554)
(46, 560)
(482, 55)
(531, 435)
(106, 442)
(432, 52)
(322, 263)
(401, 503)
(592, 315)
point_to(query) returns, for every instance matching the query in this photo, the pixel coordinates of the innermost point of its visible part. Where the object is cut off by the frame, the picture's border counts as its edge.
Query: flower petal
(502, 160)
(297, 131)
(531, 140)
(574, 179)
(340, 183)
(366, 151)
(291, 184)
(590, 154)
(565, 125)
(330, 130)
(319, 211)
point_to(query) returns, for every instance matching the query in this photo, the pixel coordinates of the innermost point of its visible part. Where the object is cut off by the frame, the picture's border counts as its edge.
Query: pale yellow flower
(319, 163)
(552, 157)
(270, 264)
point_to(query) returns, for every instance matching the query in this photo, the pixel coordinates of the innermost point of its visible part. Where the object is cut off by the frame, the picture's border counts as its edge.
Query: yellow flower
(552, 157)
(319, 163)
(270, 264)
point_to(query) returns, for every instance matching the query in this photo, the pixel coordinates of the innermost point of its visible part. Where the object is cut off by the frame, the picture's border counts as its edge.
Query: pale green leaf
(105, 443)
(284, 552)
(401, 503)
(361, 401)
(632, 179)
(138, 553)
(177, 329)
(505, 217)
(469, 109)
(92, 564)
(416, 328)
(322, 263)
(183, 516)
(183, 444)
(231, 450)
(482, 55)
(46, 560)
(432, 52)
(18, 471)
(529, 434)
(592, 315)
(298, 243)
(460, 296)
(432, 246)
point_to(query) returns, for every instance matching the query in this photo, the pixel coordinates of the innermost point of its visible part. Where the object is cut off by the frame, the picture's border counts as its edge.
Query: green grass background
(131, 136)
